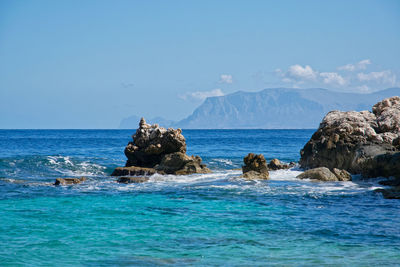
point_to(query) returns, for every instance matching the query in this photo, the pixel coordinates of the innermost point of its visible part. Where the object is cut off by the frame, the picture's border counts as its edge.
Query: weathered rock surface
(130, 180)
(276, 164)
(155, 149)
(360, 142)
(341, 175)
(324, 174)
(180, 163)
(255, 167)
(69, 181)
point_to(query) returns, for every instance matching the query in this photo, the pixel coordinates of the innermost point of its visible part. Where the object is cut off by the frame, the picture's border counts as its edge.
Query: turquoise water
(202, 220)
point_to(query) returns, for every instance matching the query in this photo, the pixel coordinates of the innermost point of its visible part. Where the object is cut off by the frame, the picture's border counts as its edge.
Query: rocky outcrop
(324, 174)
(276, 164)
(151, 143)
(155, 149)
(69, 181)
(366, 143)
(255, 167)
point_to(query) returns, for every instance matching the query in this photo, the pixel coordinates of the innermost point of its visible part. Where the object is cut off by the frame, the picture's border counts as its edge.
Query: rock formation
(276, 164)
(255, 167)
(366, 143)
(155, 149)
(69, 181)
(324, 174)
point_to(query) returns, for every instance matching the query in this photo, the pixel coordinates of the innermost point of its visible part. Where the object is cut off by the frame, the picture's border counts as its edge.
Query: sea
(215, 219)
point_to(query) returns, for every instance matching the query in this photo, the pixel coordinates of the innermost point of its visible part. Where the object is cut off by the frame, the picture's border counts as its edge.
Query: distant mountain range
(275, 108)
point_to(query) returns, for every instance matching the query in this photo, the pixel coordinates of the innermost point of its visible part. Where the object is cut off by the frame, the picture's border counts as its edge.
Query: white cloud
(298, 73)
(361, 65)
(226, 78)
(305, 76)
(332, 78)
(201, 95)
(385, 77)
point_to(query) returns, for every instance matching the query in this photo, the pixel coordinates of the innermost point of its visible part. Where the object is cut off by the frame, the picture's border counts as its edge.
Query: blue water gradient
(202, 220)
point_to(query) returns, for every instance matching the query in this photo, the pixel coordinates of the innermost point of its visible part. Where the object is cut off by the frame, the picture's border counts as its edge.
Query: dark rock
(130, 180)
(155, 149)
(391, 193)
(360, 142)
(276, 164)
(392, 182)
(180, 163)
(255, 167)
(133, 171)
(69, 181)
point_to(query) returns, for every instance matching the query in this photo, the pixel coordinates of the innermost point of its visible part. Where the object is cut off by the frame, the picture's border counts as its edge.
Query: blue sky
(88, 64)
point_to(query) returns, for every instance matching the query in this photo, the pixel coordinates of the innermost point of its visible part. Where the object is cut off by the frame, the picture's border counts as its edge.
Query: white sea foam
(282, 182)
(66, 166)
(224, 161)
(284, 175)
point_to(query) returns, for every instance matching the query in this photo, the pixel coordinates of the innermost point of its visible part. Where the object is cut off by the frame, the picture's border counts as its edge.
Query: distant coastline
(273, 108)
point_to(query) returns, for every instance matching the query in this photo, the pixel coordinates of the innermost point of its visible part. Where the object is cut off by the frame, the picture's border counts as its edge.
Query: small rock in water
(130, 180)
(133, 171)
(324, 174)
(255, 167)
(276, 164)
(69, 181)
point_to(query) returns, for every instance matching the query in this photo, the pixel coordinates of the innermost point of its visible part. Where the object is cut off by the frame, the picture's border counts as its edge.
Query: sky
(88, 64)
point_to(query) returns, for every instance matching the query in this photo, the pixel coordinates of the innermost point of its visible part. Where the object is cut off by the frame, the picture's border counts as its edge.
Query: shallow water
(207, 219)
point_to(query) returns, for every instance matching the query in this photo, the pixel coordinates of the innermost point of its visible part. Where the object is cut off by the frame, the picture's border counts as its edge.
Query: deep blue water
(202, 220)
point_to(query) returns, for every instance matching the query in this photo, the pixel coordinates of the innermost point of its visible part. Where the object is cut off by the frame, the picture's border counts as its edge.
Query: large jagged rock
(150, 144)
(255, 167)
(155, 149)
(360, 142)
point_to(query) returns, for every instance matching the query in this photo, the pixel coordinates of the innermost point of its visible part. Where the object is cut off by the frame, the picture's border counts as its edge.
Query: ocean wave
(281, 182)
(48, 166)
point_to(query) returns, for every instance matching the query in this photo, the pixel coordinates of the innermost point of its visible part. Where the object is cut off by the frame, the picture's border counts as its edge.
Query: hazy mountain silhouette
(277, 108)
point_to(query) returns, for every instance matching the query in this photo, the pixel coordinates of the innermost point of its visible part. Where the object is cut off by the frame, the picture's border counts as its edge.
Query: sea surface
(215, 219)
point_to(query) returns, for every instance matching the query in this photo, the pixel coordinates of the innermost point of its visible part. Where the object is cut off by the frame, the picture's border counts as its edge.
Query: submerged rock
(155, 149)
(255, 167)
(390, 193)
(130, 180)
(366, 143)
(69, 181)
(324, 174)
